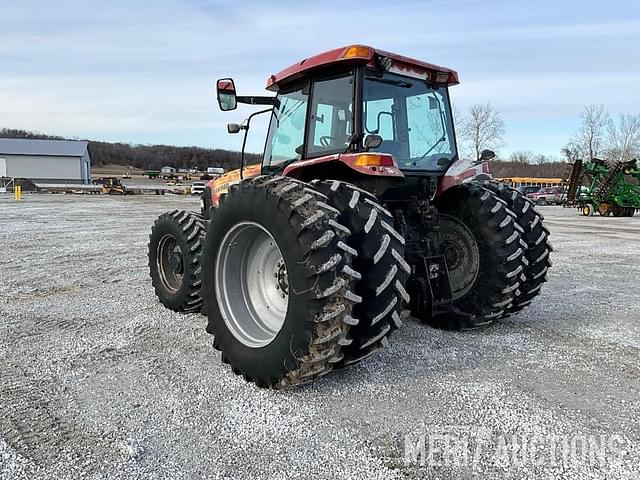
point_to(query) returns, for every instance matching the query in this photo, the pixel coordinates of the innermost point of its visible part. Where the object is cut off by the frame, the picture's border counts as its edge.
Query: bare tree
(541, 159)
(523, 156)
(624, 138)
(483, 128)
(571, 151)
(591, 137)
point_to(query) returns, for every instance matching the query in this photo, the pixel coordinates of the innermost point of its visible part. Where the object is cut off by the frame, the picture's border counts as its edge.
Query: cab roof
(364, 55)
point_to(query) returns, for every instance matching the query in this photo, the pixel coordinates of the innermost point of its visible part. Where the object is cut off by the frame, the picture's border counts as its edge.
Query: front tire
(273, 236)
(175, 247)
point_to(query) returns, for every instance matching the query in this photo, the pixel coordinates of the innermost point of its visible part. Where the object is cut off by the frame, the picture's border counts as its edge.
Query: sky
(144, 72)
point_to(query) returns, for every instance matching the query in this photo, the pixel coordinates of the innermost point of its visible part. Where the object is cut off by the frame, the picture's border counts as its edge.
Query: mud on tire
(380, 262)
(175, 247)
(536, 237)
(268, 342)
(501, 255)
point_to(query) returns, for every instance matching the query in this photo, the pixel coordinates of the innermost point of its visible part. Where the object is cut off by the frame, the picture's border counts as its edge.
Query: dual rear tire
(535, 237)
(278, 282)
(482, 243)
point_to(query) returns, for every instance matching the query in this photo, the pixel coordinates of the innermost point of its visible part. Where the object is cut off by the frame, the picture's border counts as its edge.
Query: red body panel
(336, 56)
(349, 159)
(451, 180)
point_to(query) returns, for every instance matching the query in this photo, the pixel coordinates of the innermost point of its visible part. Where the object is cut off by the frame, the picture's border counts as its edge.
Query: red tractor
(304, 263)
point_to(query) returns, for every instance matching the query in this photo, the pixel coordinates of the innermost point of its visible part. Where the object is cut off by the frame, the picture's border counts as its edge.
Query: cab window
(286, 130)
(379, 118)
(330, 116)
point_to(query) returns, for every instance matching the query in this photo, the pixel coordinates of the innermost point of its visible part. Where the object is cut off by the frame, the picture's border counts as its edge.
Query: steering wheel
(325, 141)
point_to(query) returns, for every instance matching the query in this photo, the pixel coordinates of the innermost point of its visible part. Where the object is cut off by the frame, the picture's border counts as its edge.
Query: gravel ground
(100, 381)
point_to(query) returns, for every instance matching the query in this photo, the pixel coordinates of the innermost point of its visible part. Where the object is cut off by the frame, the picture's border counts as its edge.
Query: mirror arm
(255, 100)
(246, 132)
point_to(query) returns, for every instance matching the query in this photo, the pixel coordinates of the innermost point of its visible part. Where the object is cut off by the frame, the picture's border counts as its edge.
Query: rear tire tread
(330, 277)
(499, 280)
(380, 262)
(536, 237)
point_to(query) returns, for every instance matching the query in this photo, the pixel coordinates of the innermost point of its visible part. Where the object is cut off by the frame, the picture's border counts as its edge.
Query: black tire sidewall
(167, 224)
(292, 340)
(488, 262)
(466, 203)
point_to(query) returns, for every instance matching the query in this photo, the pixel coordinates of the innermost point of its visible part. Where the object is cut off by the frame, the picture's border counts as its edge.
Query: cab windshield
(413, 118)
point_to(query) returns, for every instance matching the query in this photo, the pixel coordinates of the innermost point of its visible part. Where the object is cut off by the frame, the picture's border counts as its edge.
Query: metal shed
(50, 161)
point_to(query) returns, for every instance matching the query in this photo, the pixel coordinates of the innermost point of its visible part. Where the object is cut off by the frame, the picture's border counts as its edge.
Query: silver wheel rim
(170, 262)
(251, 284)
(462, 254)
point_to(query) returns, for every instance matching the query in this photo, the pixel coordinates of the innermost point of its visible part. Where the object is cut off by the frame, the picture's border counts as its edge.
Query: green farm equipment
(608, 188)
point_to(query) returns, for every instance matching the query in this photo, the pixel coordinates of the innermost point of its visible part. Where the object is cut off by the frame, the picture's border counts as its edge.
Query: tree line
(148, 157)
(480, 128)
(599, 136)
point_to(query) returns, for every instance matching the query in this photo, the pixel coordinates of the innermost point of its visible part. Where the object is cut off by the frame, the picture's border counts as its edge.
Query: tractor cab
(357, 111)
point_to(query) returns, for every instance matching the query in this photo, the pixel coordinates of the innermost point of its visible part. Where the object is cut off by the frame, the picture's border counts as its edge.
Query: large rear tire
(477, 220)
(380, 262)
(536, 237)
(277, 282)
(175, 247)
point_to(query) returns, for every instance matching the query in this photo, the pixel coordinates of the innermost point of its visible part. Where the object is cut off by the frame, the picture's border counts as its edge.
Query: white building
(45, 161)
(167, 170)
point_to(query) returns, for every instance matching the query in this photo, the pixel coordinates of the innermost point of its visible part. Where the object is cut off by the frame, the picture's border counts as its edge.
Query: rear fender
(462, 174)
(220, 185)
(369, 164)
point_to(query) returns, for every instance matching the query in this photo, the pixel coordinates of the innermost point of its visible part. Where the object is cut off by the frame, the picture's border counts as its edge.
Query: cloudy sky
(144, 72)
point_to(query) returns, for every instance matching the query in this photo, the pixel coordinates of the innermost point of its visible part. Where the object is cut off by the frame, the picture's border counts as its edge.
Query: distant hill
(148, 157)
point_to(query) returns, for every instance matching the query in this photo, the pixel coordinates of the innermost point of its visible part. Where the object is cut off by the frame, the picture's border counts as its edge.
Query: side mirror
(487, 155)
(226, 93)
(372, 141)
(233, 127)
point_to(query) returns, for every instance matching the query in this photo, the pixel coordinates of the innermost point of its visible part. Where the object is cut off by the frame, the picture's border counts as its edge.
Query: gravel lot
(100, 381)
